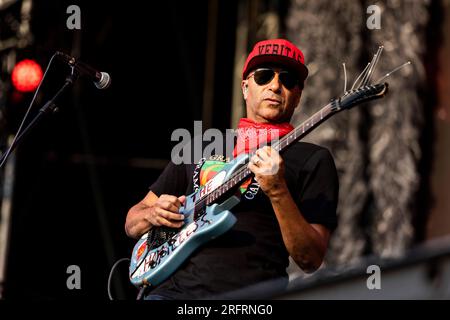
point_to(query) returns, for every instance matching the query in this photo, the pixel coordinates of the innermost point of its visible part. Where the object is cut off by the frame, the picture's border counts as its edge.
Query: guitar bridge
(158, 236)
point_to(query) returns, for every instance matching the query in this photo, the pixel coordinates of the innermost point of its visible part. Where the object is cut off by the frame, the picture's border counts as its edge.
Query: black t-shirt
(253, 250)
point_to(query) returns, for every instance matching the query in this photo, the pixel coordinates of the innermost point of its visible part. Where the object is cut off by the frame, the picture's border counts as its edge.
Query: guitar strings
(374, 62)
(360, 75)
(395, 70)
(345, 77)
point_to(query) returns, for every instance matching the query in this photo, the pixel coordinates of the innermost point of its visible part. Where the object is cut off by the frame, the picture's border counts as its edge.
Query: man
(288, 209)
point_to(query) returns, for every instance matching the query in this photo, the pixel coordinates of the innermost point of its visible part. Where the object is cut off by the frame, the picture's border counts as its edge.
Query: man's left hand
(268, 167)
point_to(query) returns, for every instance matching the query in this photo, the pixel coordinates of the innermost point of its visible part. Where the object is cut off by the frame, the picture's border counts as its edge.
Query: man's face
(274, 101)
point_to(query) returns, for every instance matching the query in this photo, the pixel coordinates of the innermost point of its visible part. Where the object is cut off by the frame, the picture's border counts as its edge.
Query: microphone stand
(48, 108)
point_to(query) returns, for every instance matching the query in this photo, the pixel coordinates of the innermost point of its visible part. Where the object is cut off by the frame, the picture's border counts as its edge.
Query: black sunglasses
(263, 76)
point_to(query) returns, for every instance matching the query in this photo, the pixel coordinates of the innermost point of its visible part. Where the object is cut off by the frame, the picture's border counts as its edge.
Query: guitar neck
(306, 127)
(285, 142)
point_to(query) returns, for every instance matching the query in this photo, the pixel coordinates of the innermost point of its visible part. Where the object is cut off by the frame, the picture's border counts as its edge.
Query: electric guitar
(207, 213)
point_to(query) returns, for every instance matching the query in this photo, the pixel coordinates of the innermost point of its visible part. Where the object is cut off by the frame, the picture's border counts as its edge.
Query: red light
(26, 75)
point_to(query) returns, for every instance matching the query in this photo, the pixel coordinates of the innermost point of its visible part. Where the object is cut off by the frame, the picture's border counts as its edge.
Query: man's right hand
(165, 211)
(154, 211)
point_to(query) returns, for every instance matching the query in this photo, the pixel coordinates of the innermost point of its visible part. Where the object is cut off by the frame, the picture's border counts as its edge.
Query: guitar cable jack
(141, 292)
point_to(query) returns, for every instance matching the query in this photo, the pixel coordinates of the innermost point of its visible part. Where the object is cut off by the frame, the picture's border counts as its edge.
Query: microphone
(102, 80)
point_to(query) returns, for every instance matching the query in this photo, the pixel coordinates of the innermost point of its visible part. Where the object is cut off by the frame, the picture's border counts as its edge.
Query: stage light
(26, 75)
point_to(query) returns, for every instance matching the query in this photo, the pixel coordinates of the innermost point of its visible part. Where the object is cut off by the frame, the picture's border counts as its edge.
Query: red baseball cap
(279, 51)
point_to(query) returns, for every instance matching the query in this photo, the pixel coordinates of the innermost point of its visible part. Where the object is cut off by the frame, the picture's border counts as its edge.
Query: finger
(170, 198)
(151, 218)
(182, 199)
(164, 222)
(167, 200)
(258, 156)
(168, 205)
(268, 152)
(168, 215)
(263, 157)
(255, 160)
(253, 168)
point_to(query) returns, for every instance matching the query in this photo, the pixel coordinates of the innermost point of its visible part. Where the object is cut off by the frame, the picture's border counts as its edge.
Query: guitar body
(152, 264)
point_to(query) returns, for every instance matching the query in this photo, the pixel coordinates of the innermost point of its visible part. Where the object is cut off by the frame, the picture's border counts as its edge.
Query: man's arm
(154, 211)
(162, 210)
(306, 243)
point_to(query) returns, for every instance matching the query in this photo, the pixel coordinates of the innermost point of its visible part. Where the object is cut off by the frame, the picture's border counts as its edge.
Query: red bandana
(251, 134)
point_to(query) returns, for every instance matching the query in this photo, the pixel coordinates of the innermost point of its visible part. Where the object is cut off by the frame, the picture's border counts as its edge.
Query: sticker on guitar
(154, 257)
(211, 176)
(213, 183)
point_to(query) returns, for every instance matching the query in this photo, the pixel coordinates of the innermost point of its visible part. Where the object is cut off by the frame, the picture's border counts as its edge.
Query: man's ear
(298, 99)
(244, 86)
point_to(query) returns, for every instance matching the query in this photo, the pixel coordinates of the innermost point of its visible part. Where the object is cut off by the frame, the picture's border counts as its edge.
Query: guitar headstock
(363, 94)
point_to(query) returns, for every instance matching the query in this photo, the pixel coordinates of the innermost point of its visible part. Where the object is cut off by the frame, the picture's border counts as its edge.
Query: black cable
(110, 276)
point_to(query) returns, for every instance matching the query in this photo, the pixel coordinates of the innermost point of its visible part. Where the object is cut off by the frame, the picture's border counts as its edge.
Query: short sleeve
(173, 181)
(320, 190)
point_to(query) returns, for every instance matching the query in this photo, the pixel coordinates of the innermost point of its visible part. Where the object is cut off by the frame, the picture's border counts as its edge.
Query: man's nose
(275, 84)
